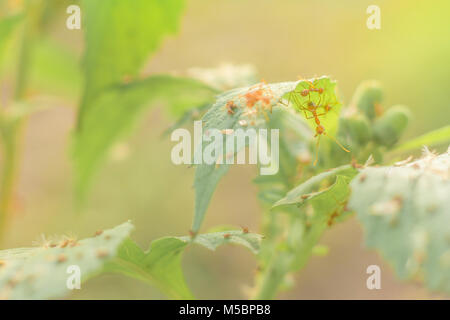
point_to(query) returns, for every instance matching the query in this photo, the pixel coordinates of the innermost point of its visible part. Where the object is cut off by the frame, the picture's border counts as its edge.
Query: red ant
(306, 92)
(98, 233)
(102, 253)
(262, 95)
(192, 234)
(253, 97)
(312, 88)
(61, 258)
(333, 216)
(230, 107)
(320, 130)
(341, 207)
(64, 243)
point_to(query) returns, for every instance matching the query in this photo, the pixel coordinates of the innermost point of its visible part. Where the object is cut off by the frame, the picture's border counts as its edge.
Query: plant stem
(292, 257)
(273, 277)
(9, 169)
(12, 135)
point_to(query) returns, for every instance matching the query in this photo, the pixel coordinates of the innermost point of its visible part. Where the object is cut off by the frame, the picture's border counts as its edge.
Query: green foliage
(218, 117)
(326, 207)
(161, 264)
(54, 69)
(304, 192)
(319, 204)
(329, 119)
(402, 207)
(41, 272)
(119, 38)
(293, 148)
(404, 210)
(366, 128)
(438, 136)
(115, 112)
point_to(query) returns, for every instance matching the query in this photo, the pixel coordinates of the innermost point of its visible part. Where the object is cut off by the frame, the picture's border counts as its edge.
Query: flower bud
(357, 129)
(389, 127)
(367, 98)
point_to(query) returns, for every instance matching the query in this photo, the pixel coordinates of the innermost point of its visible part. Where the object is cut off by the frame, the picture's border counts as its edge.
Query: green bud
(357, 128)
(390, 126)
(367, 96)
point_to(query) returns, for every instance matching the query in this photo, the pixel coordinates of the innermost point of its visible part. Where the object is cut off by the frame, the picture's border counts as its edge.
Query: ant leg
(319, 102)
(264, 114)
(282, 103)
(338, 143)
(279, 100)
(339, 203)
(290, 96)
(306, 116)
(293, 97)
(311, 84)
(320, 99)
(304, 111)
(299, 104)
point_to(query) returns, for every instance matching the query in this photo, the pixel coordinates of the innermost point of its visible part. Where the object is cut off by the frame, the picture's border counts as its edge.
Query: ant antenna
(338, 143)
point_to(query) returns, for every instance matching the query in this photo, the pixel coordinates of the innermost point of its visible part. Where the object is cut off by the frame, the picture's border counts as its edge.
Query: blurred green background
(283, 39)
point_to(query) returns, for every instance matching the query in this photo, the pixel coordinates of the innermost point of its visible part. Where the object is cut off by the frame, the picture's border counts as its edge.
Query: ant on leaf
(313, 108)
(258, 99)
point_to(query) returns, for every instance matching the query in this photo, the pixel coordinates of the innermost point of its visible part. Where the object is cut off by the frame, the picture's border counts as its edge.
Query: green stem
(273, 277)
(292, 256)
(13, 134)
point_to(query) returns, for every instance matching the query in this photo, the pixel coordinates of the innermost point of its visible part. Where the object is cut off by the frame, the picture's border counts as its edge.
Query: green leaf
(119, 38)
(120, 35)
(41, 272)
(293, 148)
(248, 115)
(404, 211)
(326, 208)
(161, 264)
(314, 215)
(116, 111)
(54, 69)
(304, 192)
(428, 139)
(328, 119)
